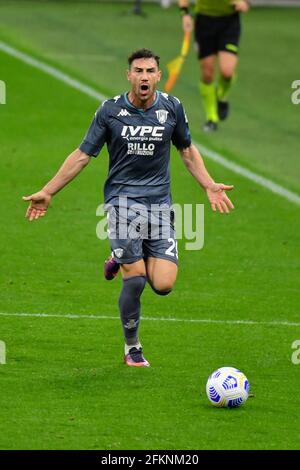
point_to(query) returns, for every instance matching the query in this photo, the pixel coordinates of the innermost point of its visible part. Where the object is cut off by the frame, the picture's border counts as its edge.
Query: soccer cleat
(135, 358)
(111, 269)
(210, 126)
(223, 109)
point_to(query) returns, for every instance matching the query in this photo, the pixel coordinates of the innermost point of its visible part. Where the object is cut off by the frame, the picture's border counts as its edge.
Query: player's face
(143, 76)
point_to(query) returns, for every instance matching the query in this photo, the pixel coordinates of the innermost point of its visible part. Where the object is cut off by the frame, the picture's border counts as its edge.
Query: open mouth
(144, 89)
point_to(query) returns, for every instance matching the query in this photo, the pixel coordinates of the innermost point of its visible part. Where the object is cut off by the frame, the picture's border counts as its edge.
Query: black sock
(130, 305)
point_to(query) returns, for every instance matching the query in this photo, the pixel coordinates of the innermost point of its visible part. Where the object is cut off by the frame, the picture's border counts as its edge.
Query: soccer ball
(227, 387)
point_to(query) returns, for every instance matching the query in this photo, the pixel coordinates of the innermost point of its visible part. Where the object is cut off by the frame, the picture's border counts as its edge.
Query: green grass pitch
(64, 385)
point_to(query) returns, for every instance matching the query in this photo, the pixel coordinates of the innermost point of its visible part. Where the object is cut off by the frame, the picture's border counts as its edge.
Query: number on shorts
(172, 250)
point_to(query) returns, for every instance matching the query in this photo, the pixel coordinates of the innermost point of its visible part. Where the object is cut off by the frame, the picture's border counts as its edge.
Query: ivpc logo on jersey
(142, 131)
(2, 92)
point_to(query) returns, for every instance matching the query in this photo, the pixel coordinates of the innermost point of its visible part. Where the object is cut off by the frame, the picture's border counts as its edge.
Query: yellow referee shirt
(214, 7)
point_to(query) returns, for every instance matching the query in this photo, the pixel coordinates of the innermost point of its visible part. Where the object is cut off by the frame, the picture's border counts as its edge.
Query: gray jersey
(138, 143)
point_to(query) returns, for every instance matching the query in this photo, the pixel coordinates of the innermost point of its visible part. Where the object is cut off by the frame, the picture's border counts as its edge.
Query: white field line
(160, 319)
(216, 157)
(49, 70)
(250, 175)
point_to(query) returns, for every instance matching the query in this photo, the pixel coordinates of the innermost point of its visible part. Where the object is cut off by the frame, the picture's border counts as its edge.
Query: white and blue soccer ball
(227, 387)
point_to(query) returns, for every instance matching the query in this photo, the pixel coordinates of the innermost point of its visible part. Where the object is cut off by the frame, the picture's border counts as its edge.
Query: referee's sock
(130, 306)
(224, 86)
(208, 93)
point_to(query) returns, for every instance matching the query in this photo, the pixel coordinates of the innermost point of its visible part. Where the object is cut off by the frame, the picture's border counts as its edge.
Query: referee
(217, 37)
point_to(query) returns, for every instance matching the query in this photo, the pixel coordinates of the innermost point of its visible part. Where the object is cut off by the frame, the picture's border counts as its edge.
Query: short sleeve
(96, 135)
(181, 137)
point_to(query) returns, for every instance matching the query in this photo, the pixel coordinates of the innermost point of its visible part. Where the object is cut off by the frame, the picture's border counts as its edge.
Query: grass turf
(64, 385)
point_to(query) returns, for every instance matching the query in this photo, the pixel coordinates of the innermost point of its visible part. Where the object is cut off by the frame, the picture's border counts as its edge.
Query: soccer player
(137, 127)
(217, 36)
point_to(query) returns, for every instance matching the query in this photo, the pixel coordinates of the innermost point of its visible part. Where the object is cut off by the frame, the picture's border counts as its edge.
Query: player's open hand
(39, 203)
(218, 198)
(240, 5)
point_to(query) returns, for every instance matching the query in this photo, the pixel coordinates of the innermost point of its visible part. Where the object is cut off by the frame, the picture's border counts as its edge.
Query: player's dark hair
(143, 54)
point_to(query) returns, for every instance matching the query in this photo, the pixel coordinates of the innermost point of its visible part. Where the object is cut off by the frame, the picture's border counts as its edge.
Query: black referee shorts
(217, 33)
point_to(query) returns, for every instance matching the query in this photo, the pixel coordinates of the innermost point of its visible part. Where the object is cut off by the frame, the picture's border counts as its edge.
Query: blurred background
(92, 40)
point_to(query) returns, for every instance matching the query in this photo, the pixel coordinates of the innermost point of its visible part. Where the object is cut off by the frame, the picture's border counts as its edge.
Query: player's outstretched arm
(215, 191)
(39, 202)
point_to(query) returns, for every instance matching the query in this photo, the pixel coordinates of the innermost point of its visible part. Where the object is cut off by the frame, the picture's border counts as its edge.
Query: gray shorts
(141, 228)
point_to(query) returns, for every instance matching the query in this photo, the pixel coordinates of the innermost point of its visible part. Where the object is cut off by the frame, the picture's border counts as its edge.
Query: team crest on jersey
(162, 115)
(119, 252)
